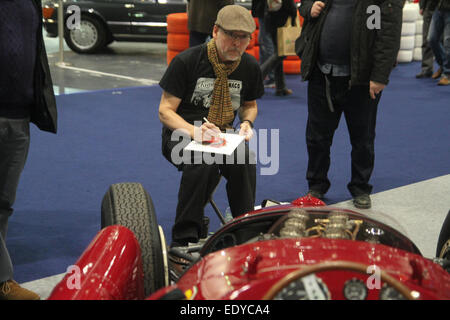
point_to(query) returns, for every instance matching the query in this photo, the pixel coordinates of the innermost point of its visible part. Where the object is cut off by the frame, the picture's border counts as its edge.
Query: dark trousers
(198, 182)
(197, 38)
(427, 53)
(14, 145)
(275, 64)
(360, 114)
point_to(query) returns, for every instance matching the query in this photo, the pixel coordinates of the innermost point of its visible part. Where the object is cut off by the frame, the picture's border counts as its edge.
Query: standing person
(201, 17)
(215, 82)
(347, 61)
(266, 47)
(426, 11)
(440, 29)
(26, 94)
(273, 20)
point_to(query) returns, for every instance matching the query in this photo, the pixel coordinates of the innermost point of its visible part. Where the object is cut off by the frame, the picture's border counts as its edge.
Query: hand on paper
(206, 132)
(246, 130)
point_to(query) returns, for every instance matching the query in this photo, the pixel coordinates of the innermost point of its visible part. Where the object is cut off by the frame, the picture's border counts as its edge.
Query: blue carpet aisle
(113, 136)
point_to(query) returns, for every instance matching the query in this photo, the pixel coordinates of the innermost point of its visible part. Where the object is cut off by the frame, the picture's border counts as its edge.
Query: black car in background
(105, 21)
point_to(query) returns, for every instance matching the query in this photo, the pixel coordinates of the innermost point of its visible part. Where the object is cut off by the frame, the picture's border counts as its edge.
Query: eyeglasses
(235, 36)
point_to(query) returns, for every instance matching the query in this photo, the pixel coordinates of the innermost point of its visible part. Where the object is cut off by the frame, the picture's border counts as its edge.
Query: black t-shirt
(190, 77)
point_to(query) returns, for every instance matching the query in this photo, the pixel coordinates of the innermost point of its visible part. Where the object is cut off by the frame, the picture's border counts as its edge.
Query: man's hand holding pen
(206, 132)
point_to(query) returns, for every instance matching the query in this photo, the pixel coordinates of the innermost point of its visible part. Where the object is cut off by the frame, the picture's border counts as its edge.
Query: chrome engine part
(295, 224)
(337, 226)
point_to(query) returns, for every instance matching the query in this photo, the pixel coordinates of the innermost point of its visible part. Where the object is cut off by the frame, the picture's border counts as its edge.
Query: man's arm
(168, 114)
(171, 119)
(248, 111)
(387, 41)
(305, 8)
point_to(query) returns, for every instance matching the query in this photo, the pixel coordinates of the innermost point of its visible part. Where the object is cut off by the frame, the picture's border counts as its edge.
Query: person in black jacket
(272, 21)
(26, 95)
(347, 56)
(201, 17)
(426, 11)
(440, 29)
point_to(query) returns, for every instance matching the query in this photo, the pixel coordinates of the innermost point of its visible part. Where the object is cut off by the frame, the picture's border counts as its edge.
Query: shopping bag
(286, 37)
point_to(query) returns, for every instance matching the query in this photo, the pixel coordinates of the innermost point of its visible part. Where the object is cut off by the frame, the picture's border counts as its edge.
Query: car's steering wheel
(335, 265)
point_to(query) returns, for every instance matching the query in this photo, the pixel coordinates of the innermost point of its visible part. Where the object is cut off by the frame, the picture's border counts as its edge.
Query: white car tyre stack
(405, 56)
(407, 42)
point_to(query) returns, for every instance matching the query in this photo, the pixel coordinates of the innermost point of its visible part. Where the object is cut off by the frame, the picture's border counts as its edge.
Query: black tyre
(443, 245)
(129, 205)
(89, 38)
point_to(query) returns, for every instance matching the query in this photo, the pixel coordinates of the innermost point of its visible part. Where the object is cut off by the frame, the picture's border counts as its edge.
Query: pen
(214, 132)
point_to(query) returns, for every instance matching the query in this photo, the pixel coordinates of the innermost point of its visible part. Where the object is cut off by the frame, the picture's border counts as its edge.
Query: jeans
(14, 145)
(275, 62)
(440, 27)
(266, 47)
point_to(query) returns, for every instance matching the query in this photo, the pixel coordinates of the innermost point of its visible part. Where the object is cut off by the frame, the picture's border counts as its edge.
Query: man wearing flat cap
(204, 88)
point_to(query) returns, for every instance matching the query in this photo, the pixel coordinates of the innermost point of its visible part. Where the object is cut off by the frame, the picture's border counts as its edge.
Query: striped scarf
(220, 111)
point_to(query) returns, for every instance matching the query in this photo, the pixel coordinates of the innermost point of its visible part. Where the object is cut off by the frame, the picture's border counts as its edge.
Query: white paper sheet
(232, 142)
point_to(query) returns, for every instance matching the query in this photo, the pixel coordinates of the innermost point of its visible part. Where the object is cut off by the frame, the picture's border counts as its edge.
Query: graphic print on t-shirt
(201, 97)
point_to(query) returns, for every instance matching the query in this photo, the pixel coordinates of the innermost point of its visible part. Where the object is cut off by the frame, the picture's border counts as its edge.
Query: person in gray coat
(201, 17)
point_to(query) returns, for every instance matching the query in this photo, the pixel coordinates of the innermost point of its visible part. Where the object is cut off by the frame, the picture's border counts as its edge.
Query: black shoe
(205, 228)
(424, 74)
(315, 194)
(283, 92)
(362, 201)
(179, 262)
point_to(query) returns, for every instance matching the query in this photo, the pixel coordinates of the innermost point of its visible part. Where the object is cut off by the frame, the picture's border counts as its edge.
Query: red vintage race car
(301, 250)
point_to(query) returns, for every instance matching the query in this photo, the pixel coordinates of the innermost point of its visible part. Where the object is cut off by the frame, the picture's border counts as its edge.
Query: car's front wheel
(129, 205)
(88, 38)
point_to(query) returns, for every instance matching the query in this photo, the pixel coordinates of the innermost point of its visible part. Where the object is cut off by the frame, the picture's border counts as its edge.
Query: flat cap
(235, 18)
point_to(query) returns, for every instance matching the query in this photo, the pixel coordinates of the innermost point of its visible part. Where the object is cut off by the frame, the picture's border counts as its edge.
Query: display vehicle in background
(104, 21)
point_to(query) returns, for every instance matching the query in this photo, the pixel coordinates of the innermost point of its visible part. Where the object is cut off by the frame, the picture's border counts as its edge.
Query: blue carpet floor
(113, 136)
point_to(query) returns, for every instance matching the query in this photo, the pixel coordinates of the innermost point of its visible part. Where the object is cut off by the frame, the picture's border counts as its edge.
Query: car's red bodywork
(111, 266)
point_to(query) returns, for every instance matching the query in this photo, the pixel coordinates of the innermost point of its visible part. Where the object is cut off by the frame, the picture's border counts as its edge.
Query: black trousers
(360, 114)
(198, 182)
(427, 53)
(14, 145)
